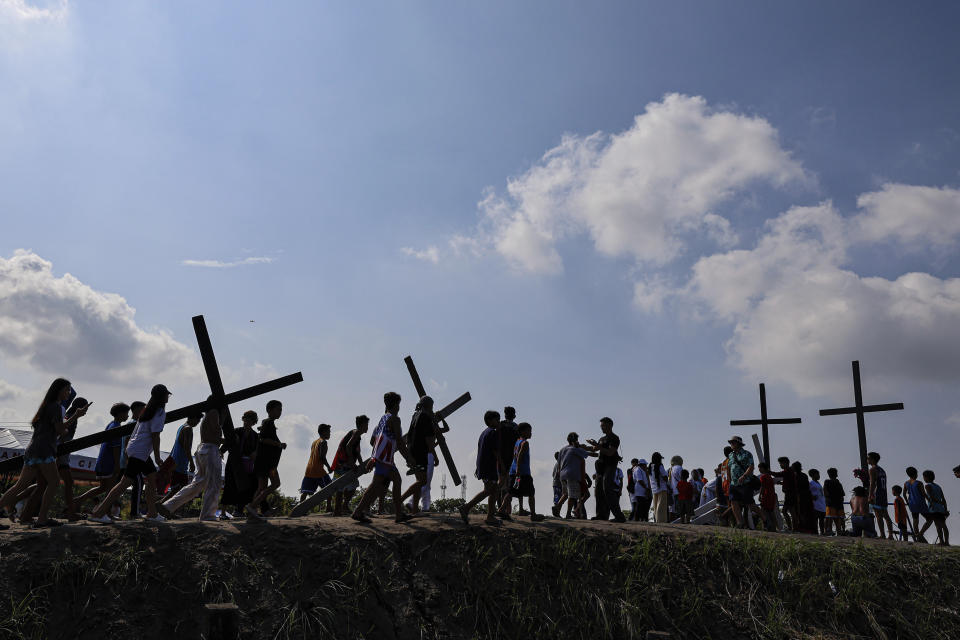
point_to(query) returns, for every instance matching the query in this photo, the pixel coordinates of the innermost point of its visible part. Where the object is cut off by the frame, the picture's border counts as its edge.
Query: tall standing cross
(859, 408)
(441, 416)
(219, 400)
(763, 422)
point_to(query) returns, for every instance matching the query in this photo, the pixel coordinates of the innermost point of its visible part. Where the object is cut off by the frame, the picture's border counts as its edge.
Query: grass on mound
(482, 583)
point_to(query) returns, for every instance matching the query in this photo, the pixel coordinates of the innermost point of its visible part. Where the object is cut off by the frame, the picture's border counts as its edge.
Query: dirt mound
(321, 577)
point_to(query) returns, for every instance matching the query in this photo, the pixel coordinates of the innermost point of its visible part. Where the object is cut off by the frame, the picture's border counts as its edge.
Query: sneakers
(156, 518)
(163, 511)
(104, 519)
(556, 511)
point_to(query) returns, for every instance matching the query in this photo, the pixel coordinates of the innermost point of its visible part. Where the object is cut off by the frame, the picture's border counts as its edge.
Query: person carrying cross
(209, 476)
(421, 440)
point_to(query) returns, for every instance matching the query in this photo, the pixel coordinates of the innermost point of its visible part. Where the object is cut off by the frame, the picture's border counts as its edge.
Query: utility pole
(443, 486)
(463, 488)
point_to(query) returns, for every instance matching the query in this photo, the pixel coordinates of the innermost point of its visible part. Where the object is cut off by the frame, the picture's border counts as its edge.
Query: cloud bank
(62, 326)
(797, 308)
(641, 193)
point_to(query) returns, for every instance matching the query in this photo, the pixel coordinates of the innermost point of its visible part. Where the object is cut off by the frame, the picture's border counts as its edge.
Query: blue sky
(602, 201)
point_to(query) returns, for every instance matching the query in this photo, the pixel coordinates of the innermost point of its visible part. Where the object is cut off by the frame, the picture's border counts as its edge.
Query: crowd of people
(741, 492)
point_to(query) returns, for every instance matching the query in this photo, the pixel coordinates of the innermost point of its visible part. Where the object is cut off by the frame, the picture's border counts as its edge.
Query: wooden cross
(441, 416)
(860, 409)
(219, 400)
(763, 422)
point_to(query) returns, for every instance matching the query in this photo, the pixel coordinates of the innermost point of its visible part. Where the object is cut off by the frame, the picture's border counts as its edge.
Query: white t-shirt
(675, 478)
(140, 444)
(639, 476)
(663, 485)
(709, 492)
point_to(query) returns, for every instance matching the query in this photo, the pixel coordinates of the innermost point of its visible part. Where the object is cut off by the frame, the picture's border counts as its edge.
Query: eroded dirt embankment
(320, 577)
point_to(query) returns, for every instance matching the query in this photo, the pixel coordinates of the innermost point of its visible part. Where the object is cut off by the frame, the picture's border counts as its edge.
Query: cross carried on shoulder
(442, 415)
(859, 408)
(763, 422)
(218, 400)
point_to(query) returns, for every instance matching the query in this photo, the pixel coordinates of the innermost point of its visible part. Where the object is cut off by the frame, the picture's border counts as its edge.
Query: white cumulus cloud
(916, 216)
(62, 326)
(639, 193)
(800, 314)
(9, 391)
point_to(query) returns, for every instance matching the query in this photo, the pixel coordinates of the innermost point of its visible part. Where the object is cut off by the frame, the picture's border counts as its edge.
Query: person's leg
(10, 497)
(213, 472)
(190, 491)
(611, 494)
(136, 494)
(491, 508)
(371, 494)
(49, 472)
(425, 490)
(66, 477)
(112, 496)
(600, 499)
(886, 516)
(258, 496)
(490, 491)
(150, 493)
(879, 519)
(926, 525)
(398, 514)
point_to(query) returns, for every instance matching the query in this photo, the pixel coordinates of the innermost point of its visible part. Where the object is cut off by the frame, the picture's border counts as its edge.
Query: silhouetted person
(609, 458)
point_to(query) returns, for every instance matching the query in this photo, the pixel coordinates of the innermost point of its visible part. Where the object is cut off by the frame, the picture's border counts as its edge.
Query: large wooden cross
(219, 400)
(859, 408)
(441, 416)
(763, 422)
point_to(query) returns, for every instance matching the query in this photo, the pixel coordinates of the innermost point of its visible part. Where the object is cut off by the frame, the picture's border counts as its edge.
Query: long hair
(153, 405)
(52, 395)
(656, 461)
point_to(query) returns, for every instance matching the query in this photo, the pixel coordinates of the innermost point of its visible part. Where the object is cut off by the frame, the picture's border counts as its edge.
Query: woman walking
(40, 456)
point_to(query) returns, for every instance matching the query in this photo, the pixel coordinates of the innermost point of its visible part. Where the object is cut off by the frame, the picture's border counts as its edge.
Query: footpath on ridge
(319, 576)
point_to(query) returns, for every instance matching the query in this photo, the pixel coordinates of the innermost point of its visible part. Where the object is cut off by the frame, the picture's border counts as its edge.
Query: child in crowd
(819, 501)
(317, 474)
(684, 497)
(347, 458)
(789, 487)
(673, 479)
(107, 468)
(900, 511)
(917, 502)
(861, 519)
(521, 478)
(937, 506)
(768, 498)
(833, 497)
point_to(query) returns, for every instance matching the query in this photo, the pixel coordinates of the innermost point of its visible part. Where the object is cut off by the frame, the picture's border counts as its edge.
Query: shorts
(348, 487)
(136, 467)
(572, 487)
(938, 517)
(835, 512)
(309, 486)
(521, 486)
(383, 469)
(742, 494)
(29, 462)
(557, 492)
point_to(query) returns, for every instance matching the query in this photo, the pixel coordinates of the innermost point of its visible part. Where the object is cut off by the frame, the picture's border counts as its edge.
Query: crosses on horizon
(859, 409)
(219, 400)
(763, 422)
(442, 415)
